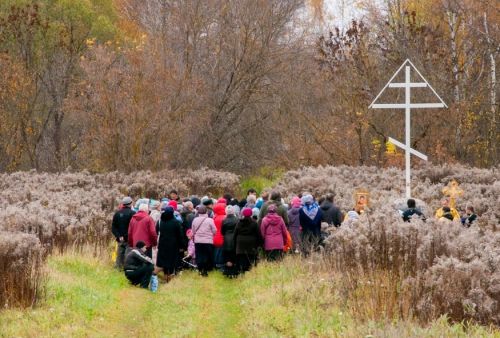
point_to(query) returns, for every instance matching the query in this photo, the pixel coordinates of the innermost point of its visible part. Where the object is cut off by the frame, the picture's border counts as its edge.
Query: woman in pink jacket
(204, 229)
(273, 231)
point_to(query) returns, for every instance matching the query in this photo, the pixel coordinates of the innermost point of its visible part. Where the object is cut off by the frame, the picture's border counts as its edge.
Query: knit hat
(189, 233)
(208, 201)
(296, 203)
(168, 214)
(196, 201)
(230, 210)
(247, 212)
(173, 204)
(222, 200)
(127, 200)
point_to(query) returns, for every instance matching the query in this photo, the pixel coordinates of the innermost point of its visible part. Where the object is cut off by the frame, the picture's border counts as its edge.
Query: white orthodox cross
(407, 85)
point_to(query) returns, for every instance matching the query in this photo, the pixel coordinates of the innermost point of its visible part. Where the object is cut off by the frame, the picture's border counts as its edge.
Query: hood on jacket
(140, 215)
(220, 209)
(273, 219)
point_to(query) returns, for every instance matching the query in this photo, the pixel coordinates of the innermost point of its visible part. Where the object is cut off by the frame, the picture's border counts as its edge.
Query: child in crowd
(190, 259)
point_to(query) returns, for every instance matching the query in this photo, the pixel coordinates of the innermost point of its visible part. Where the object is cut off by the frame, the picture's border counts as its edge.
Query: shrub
(423, 269)
(21, 263)
(74, 209)
(382, 267)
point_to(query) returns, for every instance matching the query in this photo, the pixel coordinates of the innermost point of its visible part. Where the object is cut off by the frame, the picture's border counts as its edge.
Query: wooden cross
(407, 85)
(453, 191)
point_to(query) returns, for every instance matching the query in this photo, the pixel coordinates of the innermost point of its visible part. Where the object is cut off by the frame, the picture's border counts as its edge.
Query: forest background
(240, 85)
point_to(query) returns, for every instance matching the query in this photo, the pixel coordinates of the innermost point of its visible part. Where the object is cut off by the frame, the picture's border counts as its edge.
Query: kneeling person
(139, 267)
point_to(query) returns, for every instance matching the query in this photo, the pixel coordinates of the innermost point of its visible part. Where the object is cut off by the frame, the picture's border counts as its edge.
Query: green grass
(266, 178)
(86, 297)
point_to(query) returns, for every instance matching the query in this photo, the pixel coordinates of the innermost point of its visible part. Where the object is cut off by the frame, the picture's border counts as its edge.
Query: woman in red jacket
(219, 216)
(142, 228)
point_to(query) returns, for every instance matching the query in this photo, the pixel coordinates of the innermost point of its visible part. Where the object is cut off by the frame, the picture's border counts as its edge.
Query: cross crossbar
(411, 85)
(412, 151)
(404, 105)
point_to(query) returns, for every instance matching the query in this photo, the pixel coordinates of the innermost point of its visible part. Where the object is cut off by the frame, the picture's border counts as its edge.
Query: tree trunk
(454, 27)
(493, 130)
(57, 138)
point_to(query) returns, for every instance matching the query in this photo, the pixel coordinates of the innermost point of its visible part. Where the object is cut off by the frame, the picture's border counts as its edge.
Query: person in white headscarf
(155, 213)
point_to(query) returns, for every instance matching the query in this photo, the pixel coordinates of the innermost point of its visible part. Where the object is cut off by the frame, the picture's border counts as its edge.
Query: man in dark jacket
(139, 267)
(119, 228)
(331, 214)
(412, 210)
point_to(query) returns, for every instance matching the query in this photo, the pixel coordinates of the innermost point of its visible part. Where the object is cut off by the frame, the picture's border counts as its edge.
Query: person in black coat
(247, 239)
(170, 243)
(411, 211)
(331, 214)
(119, 229)
(310, 217)
(138, 267)
(228, 248)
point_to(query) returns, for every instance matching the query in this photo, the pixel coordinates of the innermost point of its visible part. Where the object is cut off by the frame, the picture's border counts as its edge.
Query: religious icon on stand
(362, 200)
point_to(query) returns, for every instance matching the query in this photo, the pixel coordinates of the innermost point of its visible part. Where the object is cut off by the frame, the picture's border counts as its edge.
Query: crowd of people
(225, 234)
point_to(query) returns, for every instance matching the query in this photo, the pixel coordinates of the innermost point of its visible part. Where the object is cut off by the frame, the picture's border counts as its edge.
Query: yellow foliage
(390, 148)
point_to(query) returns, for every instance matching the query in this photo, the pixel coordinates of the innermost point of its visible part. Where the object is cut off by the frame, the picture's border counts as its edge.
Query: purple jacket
(293, 217)
(273, 231)
(191, 249)
(203, 229)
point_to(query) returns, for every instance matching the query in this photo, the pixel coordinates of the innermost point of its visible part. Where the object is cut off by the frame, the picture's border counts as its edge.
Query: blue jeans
(218, 258)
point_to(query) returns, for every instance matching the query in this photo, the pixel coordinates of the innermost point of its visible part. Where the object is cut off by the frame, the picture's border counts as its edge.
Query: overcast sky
(341, 12)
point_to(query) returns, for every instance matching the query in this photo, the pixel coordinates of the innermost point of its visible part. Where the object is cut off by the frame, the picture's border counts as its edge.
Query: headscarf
(230, 210)
(310, 207)
(255, 213)
(168, 214)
